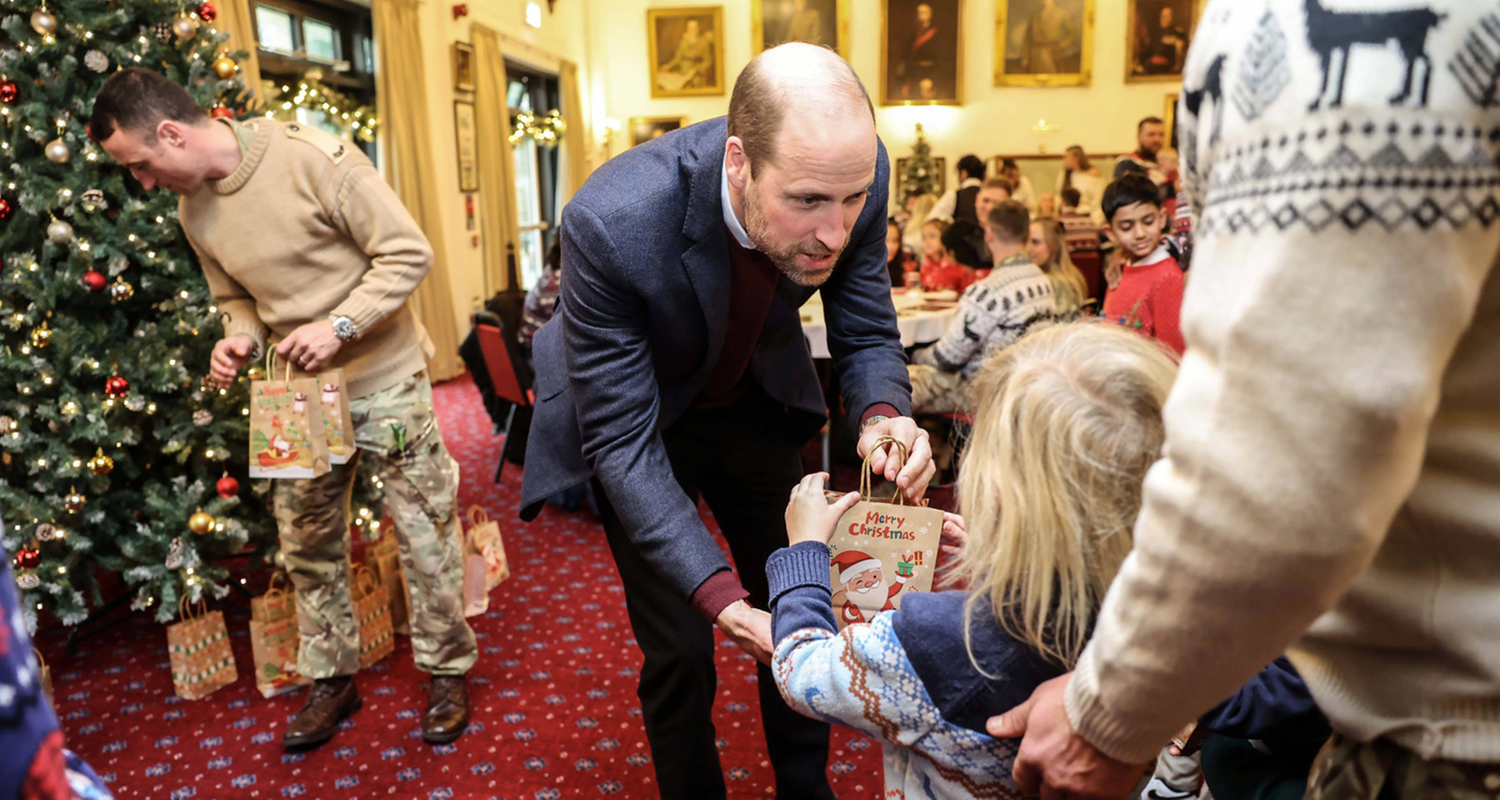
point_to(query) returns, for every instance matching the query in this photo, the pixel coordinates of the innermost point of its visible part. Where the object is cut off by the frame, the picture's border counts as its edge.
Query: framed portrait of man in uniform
(820, 22)
(1044, 42)
(686, 50)
(921, 53)
(644, 129)
(1158, 31)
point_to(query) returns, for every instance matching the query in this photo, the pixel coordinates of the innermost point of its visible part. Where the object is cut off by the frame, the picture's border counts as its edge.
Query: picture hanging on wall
(821, 22)
(1044, 42)
(687, 50)
(644, 129)
(921, 57)
(468, 146)
(463, 67)
(1158, 32)
(1169, 116)
(940, 166)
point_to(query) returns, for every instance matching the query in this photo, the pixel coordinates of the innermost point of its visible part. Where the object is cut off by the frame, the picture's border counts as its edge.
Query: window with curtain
(335, 37)
(536, 169)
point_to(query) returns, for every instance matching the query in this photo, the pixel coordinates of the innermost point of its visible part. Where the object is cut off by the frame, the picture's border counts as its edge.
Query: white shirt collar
(1161, 253)
(730, 220)
(970, 182)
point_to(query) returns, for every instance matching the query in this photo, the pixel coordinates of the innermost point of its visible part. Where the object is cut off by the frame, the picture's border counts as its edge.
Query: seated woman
(1046, 248)
(1067, 423)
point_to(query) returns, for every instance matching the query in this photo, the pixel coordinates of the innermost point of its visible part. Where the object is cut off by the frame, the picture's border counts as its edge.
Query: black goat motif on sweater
(1212, 89)
(1330, 31)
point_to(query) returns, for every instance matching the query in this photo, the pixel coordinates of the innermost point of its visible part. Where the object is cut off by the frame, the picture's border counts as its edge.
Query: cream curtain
(402, 99)
(575, 144)
(497, 166)
(236, 19)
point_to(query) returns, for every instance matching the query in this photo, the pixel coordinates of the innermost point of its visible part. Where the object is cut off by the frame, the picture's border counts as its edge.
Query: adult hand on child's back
(809, 517)
(1053, 760)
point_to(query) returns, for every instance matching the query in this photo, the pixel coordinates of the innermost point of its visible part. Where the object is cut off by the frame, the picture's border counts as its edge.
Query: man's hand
(809, 517)
(229, 357)
(311, 346)
(1054, 761)
(750, 628)
(918, 469)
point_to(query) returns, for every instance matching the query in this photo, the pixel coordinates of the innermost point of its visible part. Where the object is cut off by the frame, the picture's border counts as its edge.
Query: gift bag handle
(40, 662)
(363, 575)
(271, 365)
(864, 475)
(477, 515)
(276, 597)
(185, 608)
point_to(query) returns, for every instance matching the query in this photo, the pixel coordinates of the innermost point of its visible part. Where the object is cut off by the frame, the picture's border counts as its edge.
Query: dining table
(921, 317)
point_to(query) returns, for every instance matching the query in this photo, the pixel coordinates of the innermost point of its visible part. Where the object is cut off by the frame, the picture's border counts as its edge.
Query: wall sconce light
(534, 14)
(460, 10)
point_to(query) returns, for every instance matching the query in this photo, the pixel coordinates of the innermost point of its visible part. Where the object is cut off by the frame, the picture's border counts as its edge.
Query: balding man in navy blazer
(676, 368)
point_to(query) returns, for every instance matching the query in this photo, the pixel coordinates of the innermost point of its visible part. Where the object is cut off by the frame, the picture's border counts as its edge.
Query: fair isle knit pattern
(1013, 300)
(862, 678)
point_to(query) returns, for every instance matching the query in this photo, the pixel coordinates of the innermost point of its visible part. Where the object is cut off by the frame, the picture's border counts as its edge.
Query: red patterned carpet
(554, 708)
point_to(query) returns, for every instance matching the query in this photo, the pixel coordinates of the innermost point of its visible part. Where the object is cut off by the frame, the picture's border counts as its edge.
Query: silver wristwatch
(871, 421)
(343, 327)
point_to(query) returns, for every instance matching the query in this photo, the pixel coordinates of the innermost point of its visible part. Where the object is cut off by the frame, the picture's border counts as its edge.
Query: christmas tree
(919, 175)
(112, 443)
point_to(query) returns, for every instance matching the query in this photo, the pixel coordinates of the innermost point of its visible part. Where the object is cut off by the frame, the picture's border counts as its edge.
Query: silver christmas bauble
(43, 23)
(185, 27)
(57, 151)
(46, 532)
(28, 580)
(96, 61)
(59, 231)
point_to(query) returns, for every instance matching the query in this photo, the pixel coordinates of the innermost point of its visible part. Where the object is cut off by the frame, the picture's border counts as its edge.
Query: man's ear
(171, 133)
(736, 162)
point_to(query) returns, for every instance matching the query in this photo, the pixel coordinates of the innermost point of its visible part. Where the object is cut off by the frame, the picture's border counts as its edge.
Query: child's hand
(809, 517)
(954, 535)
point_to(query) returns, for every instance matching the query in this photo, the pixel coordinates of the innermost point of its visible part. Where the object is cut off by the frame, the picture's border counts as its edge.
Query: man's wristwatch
(343, 327)
(864, 426)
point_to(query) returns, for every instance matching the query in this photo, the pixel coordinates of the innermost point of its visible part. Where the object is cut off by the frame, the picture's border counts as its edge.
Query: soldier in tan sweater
(305, 246)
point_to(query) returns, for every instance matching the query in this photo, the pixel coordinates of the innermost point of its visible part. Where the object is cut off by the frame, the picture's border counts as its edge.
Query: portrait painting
(463, 67)
(644, 129)
(921, 57)
(1159, 31)
(820, 22)
(1044, 42)
(686, 50)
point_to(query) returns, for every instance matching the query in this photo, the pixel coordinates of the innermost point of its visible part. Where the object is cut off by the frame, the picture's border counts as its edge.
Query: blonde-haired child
(1067, 421)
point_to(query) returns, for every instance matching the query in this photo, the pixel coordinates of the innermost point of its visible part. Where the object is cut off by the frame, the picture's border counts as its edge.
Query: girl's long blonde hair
(919, 212)
(1067, 421)
(1068, 284)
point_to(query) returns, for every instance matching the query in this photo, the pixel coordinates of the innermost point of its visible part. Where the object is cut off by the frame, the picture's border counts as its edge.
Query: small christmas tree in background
(919, 175)
(112, 444)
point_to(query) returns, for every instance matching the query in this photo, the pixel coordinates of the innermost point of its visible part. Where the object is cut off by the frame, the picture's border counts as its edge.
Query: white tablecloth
(918, 316)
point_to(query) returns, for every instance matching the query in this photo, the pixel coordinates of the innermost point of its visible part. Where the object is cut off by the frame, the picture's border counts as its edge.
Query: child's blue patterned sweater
(905, 678)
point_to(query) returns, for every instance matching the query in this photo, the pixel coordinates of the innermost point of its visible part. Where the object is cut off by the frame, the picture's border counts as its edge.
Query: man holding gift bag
(302, 241)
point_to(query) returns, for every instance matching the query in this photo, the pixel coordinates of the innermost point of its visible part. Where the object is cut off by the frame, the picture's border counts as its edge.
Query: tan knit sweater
(1332, 462)
(304, 228)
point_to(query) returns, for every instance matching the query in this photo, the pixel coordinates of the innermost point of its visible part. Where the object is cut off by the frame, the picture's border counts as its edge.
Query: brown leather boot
(329, 702)
(447, 709)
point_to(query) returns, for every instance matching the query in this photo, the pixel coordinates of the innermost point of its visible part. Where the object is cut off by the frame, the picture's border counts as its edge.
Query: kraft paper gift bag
(338, 422)
(881, 551)
(484, 539)
(275, 640)
(286, 426)
(372, 609)
(384, 557)
(199, 649)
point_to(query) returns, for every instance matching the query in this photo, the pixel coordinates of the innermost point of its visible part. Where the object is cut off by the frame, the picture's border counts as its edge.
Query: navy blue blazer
(640, 325)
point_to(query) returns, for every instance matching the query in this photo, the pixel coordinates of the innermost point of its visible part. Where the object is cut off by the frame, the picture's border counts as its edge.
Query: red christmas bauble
(28, 558)
(227, 487)
(95, 280)
(207, 12)
(4, 208)
(116, 387)
(221, 112)
(9, 92)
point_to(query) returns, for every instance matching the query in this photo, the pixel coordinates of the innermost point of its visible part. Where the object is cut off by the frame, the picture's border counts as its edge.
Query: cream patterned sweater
(304, 228)
(1332, 463)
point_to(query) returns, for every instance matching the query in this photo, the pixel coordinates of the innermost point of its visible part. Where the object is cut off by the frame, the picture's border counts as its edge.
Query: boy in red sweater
(1149, 295)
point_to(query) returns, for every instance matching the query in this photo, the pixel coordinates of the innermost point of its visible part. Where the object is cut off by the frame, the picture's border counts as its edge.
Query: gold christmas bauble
(59, 231)
(43, 23)
(120, 291)
(200, 523)
(185, 27)
(57, 151)
(74, 501)
(41, 336)
(101, 464)
(225, 67)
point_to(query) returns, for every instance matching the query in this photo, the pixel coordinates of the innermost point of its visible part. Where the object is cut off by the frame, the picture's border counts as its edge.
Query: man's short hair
(1130, 189)
(1140, 126)
(1071, 197)
(137, 100)
(972, 166)
(959, 239)
(758, 106)
(1009, 163)
(998, 182)
(1009, 221)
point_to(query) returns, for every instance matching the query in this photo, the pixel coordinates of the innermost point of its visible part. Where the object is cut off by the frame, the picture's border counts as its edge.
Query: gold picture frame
(670, 23)
(1133, 72)
(1169, 116)
(1084, 76)
(947, 14)
(842, 42)
(644, 129)
(463, 66)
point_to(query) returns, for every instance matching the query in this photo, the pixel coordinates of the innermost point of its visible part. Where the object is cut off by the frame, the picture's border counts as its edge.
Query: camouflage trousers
(934, 391)
(1350, 770)
(398, 429)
